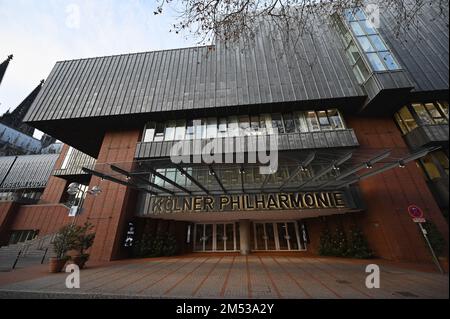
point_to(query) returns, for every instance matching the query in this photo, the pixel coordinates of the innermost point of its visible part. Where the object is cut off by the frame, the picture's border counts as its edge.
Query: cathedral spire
(15, 118)
(4, 66)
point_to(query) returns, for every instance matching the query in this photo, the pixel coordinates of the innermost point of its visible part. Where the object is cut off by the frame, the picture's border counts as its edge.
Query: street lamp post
(74, 189)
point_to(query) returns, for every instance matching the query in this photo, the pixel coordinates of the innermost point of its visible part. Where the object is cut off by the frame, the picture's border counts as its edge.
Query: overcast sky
(40, 32)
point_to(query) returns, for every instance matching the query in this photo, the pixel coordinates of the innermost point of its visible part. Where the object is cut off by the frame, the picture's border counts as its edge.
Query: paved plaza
(225, 277)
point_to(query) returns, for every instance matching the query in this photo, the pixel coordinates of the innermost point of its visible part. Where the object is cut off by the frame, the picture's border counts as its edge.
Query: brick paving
(249, 277)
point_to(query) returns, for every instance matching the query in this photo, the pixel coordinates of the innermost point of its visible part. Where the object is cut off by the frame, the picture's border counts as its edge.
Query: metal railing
(38, 243)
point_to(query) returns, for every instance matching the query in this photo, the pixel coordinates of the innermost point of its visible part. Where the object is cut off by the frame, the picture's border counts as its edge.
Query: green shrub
(358, 246)
(156, 246)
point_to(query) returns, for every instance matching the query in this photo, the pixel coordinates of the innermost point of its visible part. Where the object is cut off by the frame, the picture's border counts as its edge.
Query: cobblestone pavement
(235, 277)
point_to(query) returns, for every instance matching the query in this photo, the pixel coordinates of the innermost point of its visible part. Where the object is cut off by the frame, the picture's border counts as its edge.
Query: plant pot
(73, 253)
(56, 265)
(75, 260)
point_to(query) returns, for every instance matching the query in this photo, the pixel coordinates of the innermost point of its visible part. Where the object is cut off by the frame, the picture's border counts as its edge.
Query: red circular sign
(415, 211)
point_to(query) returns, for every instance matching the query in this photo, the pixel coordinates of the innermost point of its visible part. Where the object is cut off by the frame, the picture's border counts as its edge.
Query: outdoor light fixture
(401, 164)
(369, 165)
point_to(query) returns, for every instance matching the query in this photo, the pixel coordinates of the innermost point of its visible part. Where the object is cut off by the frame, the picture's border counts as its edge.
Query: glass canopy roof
(297, 171)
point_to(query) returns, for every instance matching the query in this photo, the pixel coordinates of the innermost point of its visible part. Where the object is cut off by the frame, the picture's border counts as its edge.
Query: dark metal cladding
(197, 78)
(26, 172)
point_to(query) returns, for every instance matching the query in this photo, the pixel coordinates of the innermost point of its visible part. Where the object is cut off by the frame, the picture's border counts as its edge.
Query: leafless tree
(237, 20)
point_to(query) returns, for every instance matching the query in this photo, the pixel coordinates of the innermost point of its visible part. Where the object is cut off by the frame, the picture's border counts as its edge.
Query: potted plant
(83, 241)
(62, 243)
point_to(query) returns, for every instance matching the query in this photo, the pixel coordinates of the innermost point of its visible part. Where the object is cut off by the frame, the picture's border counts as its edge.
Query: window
(211, 127)
(289, 123)
(354, 56)
(378, 55)
(180, 131)
(313, 123)
(149, 132)
(336, 120)
(277, 123)
(430, 113)
(323, 120)
(190, 130)
(159, 132)
(233, 127)
(222, 130)
(244, 125)
(169, 134)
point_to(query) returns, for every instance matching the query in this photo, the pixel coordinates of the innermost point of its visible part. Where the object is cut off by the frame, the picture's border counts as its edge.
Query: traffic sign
(415, 211)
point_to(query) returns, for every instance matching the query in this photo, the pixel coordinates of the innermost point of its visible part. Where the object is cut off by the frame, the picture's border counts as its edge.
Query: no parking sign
(416, 214)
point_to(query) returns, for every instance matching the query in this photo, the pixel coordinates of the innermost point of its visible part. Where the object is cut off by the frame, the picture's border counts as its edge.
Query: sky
(41, 32)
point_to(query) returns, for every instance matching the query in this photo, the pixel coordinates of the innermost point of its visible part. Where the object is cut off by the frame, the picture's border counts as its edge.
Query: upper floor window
(369, 40)
(416, 114)
(231, 126)
(351, 50)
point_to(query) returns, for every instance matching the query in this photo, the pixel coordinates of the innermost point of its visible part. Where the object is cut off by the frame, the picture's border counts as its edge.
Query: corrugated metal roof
(29, 171)
(195, 78)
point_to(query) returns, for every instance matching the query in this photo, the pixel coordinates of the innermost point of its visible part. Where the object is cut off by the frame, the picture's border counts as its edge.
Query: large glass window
(358, 66)
(169, 134)
(211, 128)
(180, 131)
(411, 116)
(277, 123)
(222, 129)
(300, 121)
(378, 55)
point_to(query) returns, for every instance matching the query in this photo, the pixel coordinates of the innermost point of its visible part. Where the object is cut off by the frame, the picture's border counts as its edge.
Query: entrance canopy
(315, 170)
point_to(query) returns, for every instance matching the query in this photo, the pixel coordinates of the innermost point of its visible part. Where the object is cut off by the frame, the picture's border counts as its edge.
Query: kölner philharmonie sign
(250, 202)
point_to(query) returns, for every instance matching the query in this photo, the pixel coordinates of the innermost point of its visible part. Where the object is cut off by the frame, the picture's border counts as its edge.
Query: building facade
(256, 148)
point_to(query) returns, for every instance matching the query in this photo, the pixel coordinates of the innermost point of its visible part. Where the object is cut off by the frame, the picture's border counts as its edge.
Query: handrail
(24, 247)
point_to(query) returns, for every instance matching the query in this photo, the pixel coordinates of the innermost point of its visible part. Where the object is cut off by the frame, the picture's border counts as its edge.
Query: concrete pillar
(244, 236)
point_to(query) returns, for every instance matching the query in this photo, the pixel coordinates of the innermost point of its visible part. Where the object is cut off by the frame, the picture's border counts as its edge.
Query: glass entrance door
(282, 236)
(215, 237)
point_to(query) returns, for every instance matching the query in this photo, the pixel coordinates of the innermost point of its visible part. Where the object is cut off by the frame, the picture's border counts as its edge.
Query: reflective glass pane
(277, 123)
(149, 132)
(222, 129)
(389, 60)
(233, 126)
(169, 134)
(190, 130)
(180, 131)
(407, 118)
(313, 123)
(289, 123)
(353, 53)
(300, 122)
(159, 132)
(229, 236)
(211, 127)
(375, 61)
(323, 120)
(335, 119)
(400, 123)
(292, 233)
(282, 236)
(356, 27)
(444, 107)
(377, 43)
(244, 125)
(435, 114)
(422, 113)
(365, 44)
(368, 27)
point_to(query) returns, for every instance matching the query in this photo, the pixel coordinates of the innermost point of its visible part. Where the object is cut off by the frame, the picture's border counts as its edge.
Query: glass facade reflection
(244, 125)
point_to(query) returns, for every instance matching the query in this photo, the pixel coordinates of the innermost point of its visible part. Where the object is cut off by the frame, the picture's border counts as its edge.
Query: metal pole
(436, 261)
(80, 206)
